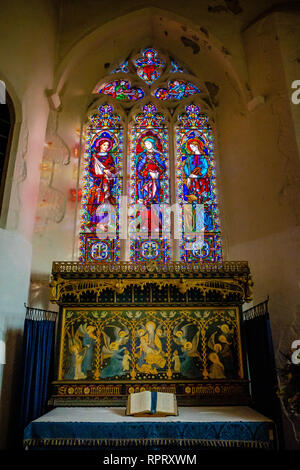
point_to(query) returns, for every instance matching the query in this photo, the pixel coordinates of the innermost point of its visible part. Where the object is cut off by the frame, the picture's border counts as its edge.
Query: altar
(125, 328)
(108, 427)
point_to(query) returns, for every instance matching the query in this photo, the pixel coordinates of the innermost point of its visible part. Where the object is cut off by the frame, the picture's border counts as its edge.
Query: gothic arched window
(149, 183)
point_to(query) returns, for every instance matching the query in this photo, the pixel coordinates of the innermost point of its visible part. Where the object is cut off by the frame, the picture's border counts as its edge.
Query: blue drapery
(38, 344)
(261, 362)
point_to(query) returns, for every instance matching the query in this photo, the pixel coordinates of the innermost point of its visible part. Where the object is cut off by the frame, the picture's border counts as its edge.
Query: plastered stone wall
(27, 39)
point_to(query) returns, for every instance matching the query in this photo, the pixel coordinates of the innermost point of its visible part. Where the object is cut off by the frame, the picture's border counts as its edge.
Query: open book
(151, 404)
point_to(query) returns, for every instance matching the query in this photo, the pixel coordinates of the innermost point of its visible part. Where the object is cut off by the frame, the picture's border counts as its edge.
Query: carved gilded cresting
(226, 278)
(170, 327)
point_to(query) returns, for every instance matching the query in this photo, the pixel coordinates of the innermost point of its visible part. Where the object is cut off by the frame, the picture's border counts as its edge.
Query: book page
(140, 402)
(165, 403)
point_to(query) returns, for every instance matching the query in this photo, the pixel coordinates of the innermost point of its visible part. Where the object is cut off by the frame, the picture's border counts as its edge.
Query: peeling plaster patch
(206, 44)
(225, 51)
(234, 6)
(190, 43)
(213, 90)
(204, 31)
(207, 101)
(217, 9)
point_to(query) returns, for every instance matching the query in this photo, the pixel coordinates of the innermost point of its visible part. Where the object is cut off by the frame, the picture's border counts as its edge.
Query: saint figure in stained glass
(150, 169)
(149, 67)
(196, 188)
(103, 171)
(195, 170)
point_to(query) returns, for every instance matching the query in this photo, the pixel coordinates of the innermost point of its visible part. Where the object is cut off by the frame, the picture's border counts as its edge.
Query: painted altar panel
(107, 353)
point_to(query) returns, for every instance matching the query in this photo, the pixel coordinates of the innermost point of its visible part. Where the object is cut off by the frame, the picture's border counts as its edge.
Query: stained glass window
(148, 97)
(177, 90)
(149, 66)
(123, 67)
(196, 188)
(102, 187)
(149, 187)
(176, 67)
(122, 90)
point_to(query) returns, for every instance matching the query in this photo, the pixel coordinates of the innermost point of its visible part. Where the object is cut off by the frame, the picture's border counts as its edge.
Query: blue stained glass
(123, 67)
(196, 187)
(102, 187)
(177, 90)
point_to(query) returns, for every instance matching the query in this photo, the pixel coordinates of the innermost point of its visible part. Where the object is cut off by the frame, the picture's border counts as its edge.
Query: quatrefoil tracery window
(149, 149)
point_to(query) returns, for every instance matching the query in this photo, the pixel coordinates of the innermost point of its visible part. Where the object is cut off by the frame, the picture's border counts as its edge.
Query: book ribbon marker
(153, 402)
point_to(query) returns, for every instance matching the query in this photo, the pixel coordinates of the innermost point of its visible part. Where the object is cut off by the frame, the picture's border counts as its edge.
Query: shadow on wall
(10, 437)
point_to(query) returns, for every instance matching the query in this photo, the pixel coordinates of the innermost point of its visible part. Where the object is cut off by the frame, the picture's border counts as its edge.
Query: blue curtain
(38, 346)
(261, 363)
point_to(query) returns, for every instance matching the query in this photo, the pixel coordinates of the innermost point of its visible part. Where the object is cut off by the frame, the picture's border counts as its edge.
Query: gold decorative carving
(228, 278)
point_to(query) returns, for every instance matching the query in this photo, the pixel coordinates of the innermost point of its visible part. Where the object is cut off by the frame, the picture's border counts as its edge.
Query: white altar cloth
(86, 427)
(185, 414)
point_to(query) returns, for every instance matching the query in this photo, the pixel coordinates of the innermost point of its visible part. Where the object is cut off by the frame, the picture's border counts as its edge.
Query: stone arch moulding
(127, 23)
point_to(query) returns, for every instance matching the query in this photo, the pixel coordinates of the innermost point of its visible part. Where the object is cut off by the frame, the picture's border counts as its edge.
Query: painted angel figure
(189, 350)
(176, 361)
(114, 351)
(220, 345)
(78, 352)
(126, 360)
(150, 169)
(216, 369)
(88, 341)
(180, 337)
(121, 336)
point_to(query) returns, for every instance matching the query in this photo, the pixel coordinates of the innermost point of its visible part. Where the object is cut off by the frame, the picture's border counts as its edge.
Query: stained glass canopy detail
(147, 68)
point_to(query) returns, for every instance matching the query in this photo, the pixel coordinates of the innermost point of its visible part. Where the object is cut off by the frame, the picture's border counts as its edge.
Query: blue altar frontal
(96, 427)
